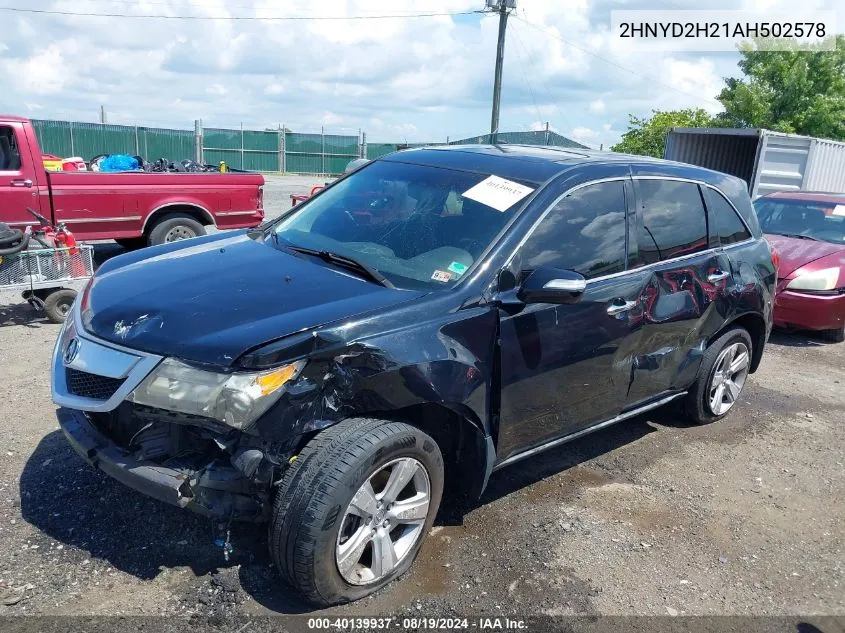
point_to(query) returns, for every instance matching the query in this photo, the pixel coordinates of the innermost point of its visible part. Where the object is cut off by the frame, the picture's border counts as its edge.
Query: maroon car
(808, 230)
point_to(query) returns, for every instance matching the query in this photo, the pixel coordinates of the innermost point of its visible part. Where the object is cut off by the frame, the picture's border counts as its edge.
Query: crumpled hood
(795, 252)
(211, 299)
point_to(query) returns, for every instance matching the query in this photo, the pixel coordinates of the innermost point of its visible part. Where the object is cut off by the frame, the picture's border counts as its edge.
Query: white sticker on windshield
(839, 209)
(499, 193)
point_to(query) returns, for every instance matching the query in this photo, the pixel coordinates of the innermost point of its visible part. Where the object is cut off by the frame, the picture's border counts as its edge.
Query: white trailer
(768, 161)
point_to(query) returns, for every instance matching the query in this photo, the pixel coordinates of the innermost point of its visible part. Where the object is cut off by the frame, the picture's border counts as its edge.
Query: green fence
(253, 150)
(242, 149)
(154, 143)
(68, 138)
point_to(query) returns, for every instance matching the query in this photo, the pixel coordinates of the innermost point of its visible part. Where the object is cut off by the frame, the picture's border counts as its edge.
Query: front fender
(446, 361)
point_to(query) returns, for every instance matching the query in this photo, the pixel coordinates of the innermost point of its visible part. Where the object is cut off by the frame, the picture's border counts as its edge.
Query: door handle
(21, 183)
(618, 308)
(718, 275)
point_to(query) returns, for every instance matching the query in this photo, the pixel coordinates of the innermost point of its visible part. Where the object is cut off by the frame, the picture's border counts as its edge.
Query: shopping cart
(48, 278)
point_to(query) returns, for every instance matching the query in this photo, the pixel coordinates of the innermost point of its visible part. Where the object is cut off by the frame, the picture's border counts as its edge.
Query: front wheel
(351, 512)
(724, 370)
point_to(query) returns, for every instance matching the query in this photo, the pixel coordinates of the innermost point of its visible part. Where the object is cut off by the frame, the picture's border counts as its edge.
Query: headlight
(236, 399)
(819, 280)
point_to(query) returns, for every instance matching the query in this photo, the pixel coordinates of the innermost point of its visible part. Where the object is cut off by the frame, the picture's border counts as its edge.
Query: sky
(400, 79)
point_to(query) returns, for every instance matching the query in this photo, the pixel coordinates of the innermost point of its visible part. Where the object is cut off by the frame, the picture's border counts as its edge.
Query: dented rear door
(682, 280)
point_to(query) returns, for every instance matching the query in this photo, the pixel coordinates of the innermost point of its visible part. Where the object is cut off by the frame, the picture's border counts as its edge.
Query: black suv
(427, 319)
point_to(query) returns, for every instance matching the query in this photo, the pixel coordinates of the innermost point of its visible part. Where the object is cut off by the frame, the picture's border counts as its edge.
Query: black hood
(211, 299)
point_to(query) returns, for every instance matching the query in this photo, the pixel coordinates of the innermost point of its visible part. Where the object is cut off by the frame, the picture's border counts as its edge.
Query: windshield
(418, 226)
(802, 218)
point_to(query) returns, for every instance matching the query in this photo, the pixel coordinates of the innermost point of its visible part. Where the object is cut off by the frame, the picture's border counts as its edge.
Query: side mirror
(552, 285)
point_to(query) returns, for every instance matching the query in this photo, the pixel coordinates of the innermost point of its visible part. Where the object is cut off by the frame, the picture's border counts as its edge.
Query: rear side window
(672, 221)
(584, 232)
(724, 220)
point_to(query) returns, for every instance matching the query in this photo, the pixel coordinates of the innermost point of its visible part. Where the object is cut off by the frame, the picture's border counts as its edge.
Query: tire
(836, 336)
(132, 243)
(698, 403)
(57, 304)
(174, 227)
(312, 515)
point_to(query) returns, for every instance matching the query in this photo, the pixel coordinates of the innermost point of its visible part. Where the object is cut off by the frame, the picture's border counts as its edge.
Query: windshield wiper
(798, 235)
(365, 270)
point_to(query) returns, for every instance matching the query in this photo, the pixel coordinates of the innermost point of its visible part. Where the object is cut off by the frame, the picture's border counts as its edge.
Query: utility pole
(502, 8)
(103, 114)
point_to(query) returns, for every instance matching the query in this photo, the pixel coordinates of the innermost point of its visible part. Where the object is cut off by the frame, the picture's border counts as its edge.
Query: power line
(527, 80)
(521, 45)
(240, 17)
(612, 63)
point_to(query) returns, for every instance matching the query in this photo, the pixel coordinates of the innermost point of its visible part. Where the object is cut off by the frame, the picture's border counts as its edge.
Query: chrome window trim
(681, 258)
(735, 244)
(140, 365)
(627, 271)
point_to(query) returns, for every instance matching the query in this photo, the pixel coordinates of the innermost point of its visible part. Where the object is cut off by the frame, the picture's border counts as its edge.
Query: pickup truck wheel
(174, 227)
(57, 304)
(351, 512)
(721, 377)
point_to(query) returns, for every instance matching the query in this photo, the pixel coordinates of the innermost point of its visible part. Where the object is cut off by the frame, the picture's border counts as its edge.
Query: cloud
(416, 79)
(583, 133)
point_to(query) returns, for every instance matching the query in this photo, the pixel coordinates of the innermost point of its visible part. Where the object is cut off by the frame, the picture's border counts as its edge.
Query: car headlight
(236, 399)
(819, 280)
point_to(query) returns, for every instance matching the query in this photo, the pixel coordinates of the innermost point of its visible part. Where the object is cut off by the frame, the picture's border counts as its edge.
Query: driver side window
(584, 232)
(10, 157)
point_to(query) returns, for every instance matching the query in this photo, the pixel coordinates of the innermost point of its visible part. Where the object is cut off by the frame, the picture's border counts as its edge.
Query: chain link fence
(252, 150)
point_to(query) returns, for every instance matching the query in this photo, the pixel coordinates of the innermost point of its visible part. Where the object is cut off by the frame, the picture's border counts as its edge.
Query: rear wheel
(175, 227)
(351, 512)
(724, 370)
(837, 335)
(58, 303)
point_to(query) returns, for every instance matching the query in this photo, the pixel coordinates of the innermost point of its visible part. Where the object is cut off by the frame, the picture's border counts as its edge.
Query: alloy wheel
(383, 521)
(729, 374)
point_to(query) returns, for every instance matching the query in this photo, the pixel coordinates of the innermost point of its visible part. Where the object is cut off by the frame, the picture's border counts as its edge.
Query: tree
(799, 92)
(647, 136)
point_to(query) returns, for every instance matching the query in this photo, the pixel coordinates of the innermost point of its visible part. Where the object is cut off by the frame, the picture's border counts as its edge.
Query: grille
(85, 385)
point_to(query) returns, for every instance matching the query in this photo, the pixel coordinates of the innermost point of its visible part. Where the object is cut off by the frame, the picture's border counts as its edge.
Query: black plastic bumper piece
(202, 494)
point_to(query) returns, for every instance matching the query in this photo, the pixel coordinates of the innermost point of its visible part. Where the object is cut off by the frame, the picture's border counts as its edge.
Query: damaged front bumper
(213, 488)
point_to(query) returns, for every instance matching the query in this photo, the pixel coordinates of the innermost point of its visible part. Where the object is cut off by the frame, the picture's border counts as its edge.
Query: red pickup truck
(133, 208)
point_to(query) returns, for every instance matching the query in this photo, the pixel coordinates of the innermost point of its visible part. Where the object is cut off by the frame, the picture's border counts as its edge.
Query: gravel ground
(652, 516)
(278, 189)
